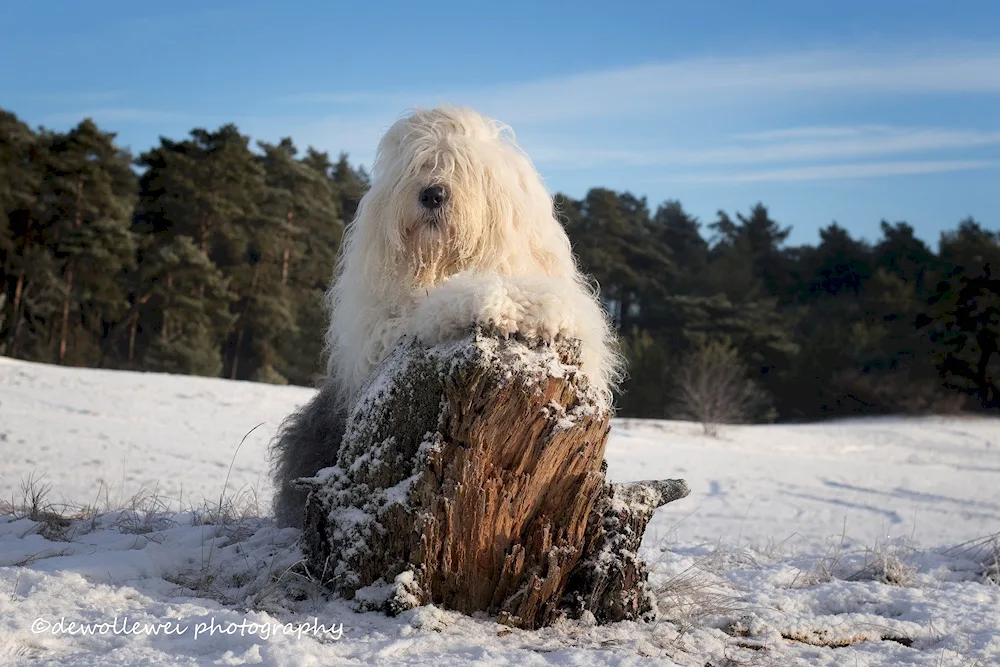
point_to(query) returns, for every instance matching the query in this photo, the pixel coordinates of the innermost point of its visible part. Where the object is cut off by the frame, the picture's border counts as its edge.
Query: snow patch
(756, 566)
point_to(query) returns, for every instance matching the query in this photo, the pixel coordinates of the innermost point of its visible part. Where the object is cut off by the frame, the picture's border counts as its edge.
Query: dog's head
(451, 191)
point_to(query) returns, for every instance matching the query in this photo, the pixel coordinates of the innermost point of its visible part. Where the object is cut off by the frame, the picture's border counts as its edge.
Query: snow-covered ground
(799, 544)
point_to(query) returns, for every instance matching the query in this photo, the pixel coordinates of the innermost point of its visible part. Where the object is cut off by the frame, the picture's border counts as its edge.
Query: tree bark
(18, 321)
(239, 327)
(18, 288)
(236, 353)
(77, 224)
(78, 218)
(288, 245)
(471, 476)
(133, 328)
(129, 320)
(15, 326)
(164, 331)
(65, 312)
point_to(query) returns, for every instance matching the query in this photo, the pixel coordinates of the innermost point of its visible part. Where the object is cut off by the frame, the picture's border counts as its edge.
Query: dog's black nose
(433, 197)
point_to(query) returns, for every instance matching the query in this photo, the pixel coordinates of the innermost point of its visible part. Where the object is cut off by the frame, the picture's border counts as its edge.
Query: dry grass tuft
(984, 550)
(695, 593)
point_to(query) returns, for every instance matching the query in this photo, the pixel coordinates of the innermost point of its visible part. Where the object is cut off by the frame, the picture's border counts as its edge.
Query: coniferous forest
(206, 255)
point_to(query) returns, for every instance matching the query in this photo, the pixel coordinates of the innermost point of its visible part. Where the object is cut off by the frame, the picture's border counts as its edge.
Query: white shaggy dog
(456, 230)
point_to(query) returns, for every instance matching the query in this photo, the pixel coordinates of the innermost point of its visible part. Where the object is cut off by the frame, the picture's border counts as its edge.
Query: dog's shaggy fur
(456, 230)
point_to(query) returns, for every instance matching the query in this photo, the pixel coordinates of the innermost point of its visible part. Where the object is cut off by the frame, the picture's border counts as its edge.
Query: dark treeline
(204, 256)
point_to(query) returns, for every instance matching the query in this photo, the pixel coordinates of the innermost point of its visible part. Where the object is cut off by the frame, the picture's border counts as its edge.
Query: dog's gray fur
(307, 441)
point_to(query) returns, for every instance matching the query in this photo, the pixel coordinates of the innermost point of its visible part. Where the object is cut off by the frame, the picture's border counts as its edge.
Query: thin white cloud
(665, 87)
(572, 122)
(843, 143)
(697, 82)
(841, 171)
(813, 132)
(673, 99)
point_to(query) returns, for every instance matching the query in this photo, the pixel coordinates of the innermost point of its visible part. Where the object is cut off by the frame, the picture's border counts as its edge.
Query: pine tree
(828, 281)
(747, 256)
(680, 233)
(615, 242)
(20, 182)
(838, 265)
(968, 250)
(200, 186)
(209, 188)
(965, 325)
(901, 253)
(173, 276)
(963, 315)
(19, 178)
(304, 193)
(88, 196)
(350, 184)
(300, 192)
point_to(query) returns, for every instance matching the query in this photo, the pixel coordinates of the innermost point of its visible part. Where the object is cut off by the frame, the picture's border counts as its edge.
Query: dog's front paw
(503, 316)
(545, 309)
(455, 308)
(534, 309)
(547, 319)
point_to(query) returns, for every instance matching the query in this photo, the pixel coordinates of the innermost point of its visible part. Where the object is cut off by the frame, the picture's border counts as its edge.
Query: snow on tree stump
(609, 581)
(470, 475)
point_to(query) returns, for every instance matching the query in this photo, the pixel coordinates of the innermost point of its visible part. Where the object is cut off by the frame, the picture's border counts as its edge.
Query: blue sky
(847, 111)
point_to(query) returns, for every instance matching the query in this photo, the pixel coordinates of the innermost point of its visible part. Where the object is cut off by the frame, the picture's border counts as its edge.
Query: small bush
(713, 387)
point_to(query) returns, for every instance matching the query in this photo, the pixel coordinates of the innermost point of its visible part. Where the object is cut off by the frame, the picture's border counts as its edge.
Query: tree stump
(470, 475)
